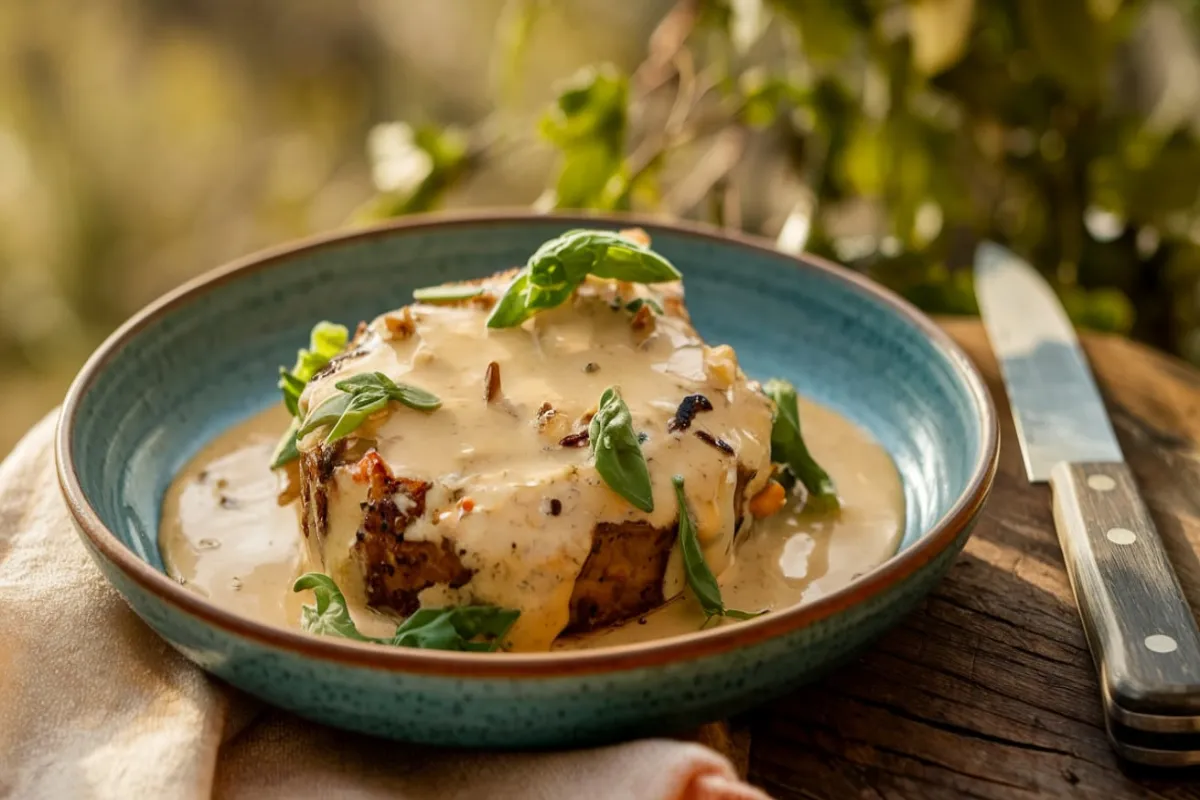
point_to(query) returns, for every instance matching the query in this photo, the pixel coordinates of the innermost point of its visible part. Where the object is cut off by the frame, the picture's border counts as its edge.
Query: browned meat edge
(397, 570)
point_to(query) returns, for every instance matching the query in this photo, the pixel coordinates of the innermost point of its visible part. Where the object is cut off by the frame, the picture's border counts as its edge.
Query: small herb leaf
(325, 341)
(447, 294)
(361, 406)
(636, 304)
(360, 397)
(557, 267)
(464, 628)
(456, 628)
(699, 577)
(788, 448)
(286, 450)
(329, 616)
(513, 307)
(328, 413)
(617, 452)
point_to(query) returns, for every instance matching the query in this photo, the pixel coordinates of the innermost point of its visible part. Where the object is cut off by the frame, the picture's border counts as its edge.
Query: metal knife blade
(1139, 626)
(1056, 405)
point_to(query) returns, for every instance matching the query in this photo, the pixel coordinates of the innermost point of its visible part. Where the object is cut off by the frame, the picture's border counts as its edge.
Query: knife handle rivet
(1121, 536)
(1101, 483)
(1161, 643)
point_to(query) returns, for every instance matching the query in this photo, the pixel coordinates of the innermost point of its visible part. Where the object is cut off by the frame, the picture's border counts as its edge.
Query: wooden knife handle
(1140, 628)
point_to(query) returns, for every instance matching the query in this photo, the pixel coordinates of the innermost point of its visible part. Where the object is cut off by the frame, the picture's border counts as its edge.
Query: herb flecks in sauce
(560, 265)
(788, 447)
(462, 628)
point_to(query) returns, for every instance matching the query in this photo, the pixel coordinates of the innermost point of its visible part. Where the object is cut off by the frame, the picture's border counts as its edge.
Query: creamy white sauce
(244, 553)
(510, 465)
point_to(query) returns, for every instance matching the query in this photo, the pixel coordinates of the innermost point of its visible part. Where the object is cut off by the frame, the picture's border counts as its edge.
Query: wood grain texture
(988, 690)
(1137, 621)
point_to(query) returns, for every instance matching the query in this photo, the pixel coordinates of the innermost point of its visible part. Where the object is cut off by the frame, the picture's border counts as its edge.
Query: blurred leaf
(862, 160)
(590, 107)
(1068, 42)
(940, 30)
(586, 171)
(429, 161)
(587, 123)
(1099, 309)
(765, 96)
(516, 22)
(828, 32)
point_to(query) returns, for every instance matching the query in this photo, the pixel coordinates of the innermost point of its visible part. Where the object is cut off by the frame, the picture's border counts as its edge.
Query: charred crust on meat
(337, 362)
(714, 441)
(395, 570)
(689, 407)
(622, 576)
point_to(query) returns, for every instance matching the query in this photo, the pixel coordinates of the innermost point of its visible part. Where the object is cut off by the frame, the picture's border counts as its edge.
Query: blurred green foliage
(906, 131)
(141, 142)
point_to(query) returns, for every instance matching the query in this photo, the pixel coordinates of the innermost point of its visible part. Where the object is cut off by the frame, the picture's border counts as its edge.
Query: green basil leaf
(325, 341)
(787, 446)
(292, 388)
(327, 413)
(329, 616)
(513, 307)
(410, 396)
(375, 381)
(416, 398)
(287, 449)
(361, 406)
(557, 268)
(447, 294)
(617, 452)
(458, 628)
(699, 577)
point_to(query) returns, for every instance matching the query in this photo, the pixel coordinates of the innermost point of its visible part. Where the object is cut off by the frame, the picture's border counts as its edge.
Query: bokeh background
(144, 142)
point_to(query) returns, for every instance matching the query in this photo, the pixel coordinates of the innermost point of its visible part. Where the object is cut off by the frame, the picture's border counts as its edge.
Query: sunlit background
(144, 142)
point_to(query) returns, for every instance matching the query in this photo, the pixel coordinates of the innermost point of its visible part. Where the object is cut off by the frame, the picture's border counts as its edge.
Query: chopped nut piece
(400, 324)
(491, 382)
(636, 235)
(721, 364)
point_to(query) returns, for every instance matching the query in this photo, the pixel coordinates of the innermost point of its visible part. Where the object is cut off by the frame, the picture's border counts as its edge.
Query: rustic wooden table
(988, 690)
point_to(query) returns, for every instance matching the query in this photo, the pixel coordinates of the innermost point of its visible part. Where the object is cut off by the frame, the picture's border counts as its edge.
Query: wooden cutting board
(988, 689)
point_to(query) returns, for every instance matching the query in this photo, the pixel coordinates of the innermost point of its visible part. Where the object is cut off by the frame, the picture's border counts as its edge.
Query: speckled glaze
(205, 357)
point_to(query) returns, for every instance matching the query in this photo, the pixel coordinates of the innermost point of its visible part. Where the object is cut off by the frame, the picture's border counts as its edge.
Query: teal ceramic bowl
(205, 357)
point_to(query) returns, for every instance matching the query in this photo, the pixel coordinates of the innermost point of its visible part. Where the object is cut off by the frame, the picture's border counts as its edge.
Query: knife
(1138, 625)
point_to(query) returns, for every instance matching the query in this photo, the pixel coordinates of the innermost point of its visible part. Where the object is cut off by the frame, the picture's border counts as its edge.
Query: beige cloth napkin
(94, 705)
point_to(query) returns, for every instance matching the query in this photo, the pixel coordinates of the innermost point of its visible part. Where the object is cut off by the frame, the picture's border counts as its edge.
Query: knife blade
(1139, 627)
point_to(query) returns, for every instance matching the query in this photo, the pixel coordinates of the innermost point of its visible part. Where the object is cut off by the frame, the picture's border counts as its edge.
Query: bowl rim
(656, 652)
